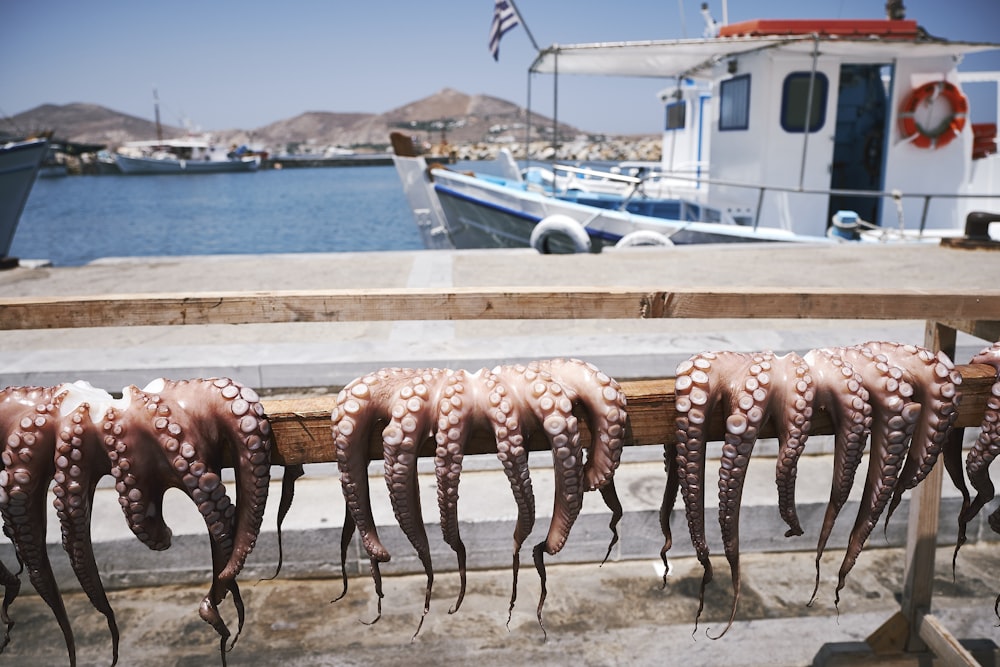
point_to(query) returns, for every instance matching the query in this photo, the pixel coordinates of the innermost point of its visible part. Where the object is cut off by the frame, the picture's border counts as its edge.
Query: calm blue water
(76, 219)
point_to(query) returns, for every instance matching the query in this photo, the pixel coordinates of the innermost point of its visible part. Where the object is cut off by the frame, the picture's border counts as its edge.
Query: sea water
(77, 219)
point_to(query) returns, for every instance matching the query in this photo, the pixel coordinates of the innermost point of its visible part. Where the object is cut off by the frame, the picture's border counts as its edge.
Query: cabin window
(676, 115)
(734, 103)
(795, 99)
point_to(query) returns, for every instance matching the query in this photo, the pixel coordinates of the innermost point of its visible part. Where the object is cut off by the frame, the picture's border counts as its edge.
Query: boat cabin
(794, 122)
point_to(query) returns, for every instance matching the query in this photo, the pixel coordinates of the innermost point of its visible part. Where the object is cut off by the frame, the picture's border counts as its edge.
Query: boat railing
(896, 195)
(636, 184)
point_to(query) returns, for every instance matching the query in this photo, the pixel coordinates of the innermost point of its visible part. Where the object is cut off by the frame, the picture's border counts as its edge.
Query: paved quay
(595, 616)
(311, 354)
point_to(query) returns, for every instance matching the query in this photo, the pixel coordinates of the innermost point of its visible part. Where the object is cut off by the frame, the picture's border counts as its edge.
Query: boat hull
(145, 166)
(456, 210)
(19, 163)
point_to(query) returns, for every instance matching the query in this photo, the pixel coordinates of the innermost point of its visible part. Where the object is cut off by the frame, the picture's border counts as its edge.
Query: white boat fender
(642, 237)
(559, 224)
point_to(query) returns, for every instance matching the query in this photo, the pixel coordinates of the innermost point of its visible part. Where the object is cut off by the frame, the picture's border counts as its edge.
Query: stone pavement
(617, 614)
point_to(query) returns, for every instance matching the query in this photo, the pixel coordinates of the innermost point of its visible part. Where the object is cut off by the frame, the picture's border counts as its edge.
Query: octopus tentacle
(504, 414)
(288, 479)
(695, 401)
(411, 422)
(893, 419)
(235, 414)
(148, 433)
(517, 402)
(555, 411)
(550, 411)
(840, 391)
(934, 381)
(186, 428)
(669, 498)
(747, 410)
(983, 452)
(768, 386)
(172, 434)
(250, 443)
(461, 399)
(75, 484)
(11, 587)
(360, 405)
(744, 386)
(794, 388)
(345, 543)
(28, 428)
(604, 406)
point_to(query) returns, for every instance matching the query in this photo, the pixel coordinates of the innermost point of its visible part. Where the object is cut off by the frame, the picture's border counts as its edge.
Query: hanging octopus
(170, 434)
(514, 403)
(865, 388)
(979, 458)
(750, 388)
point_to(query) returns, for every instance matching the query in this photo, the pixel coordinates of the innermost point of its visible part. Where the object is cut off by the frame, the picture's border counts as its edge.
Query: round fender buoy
(559, 225)
(643, 237)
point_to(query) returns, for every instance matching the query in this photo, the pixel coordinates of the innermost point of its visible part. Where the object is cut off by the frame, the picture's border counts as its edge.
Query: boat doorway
(859, 139)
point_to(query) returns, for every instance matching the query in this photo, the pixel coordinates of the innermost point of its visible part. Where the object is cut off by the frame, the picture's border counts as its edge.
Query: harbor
(721, 388)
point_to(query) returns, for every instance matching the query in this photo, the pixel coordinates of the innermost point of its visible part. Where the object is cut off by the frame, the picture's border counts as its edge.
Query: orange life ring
(948, 129)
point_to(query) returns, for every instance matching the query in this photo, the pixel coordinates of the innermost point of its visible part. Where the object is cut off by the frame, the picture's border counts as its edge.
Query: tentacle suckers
(404, 408)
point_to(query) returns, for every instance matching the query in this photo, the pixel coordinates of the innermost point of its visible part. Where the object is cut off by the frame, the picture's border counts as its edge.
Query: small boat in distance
(775, 130)
(197, 155)
(19, 163)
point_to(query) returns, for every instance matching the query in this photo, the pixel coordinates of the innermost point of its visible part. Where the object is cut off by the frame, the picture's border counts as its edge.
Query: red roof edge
(842, 27)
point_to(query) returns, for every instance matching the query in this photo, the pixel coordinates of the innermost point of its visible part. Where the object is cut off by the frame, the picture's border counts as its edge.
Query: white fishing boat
(776, 130)
(182, 156)
(19, 163)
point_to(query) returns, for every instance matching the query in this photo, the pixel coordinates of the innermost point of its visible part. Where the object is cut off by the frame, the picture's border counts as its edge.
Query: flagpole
(526, 30)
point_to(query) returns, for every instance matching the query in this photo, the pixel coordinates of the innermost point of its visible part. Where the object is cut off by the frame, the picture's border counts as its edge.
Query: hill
(462, 118)
(84, 123)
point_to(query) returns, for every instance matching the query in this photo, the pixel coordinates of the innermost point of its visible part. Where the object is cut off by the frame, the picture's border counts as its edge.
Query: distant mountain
(85, 123)
(463, 118)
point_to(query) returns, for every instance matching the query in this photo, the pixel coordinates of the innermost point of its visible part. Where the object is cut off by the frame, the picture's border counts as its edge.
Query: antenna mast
(156, 110)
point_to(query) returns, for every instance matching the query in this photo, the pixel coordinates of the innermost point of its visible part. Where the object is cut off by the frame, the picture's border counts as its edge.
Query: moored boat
(19, 163)
(786, 130)
(182, 156)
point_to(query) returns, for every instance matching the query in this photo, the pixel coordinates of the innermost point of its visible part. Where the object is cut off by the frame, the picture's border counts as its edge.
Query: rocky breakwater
(644, 148)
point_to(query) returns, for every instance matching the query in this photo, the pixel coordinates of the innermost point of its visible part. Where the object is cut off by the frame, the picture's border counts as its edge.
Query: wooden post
(913, 630)
(922, 530)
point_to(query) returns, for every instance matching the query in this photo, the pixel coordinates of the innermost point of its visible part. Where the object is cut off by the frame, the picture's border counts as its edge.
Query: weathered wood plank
(493, 303)
(943, 643)
(302, 426)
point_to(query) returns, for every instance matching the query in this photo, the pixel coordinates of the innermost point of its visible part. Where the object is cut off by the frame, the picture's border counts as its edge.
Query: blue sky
(228, 64)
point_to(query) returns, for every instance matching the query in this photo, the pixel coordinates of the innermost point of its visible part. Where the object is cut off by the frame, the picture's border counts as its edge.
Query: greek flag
(504, 18)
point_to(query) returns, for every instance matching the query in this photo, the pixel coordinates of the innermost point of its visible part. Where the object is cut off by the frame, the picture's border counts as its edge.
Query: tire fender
(559, 224)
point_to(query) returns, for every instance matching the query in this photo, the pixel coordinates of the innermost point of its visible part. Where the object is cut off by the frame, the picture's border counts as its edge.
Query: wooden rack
(302, 425)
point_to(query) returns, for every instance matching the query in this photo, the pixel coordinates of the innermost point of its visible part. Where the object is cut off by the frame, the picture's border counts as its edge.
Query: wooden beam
(494, 304)
(302, 426)
(944, 644)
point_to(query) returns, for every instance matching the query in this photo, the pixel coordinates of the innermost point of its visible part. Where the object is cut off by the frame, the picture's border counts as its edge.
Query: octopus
(167, 435)
(980, 457)
(895, 393)
(445, 407)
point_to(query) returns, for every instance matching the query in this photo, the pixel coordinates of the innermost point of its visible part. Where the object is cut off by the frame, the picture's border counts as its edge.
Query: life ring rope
(940, 136)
